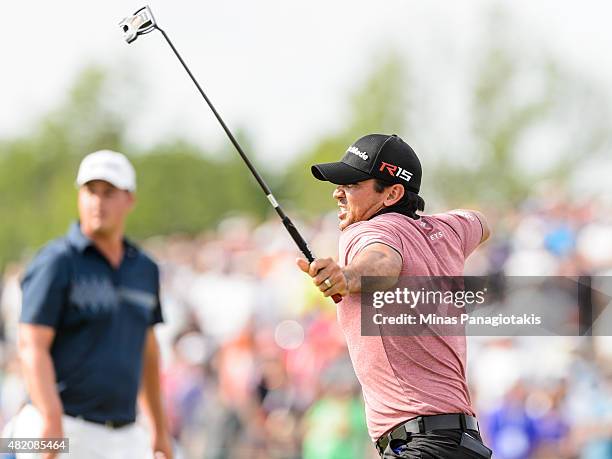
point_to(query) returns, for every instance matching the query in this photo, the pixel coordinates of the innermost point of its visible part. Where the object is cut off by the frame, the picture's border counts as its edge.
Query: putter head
(141, 22)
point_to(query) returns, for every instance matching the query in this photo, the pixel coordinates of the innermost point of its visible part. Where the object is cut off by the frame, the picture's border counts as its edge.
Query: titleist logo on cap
(356, 151)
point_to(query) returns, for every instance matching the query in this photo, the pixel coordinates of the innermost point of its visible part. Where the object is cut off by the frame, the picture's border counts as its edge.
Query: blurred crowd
(255, 366)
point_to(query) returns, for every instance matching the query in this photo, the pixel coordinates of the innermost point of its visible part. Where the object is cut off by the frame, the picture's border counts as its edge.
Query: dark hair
(410, 202)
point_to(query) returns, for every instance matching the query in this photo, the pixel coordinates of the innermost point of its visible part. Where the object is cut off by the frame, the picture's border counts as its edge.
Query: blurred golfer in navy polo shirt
(86, 340)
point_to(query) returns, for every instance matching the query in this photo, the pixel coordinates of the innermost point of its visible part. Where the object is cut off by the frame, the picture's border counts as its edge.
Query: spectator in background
(334, 426)
(512, 432)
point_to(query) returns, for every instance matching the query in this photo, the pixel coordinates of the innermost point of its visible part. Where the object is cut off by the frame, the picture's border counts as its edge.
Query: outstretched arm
(486, 230)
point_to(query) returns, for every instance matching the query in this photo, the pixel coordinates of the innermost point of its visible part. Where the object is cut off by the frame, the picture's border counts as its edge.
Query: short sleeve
(157, 316)
(45, 288)
(468, 227)
(363, 234)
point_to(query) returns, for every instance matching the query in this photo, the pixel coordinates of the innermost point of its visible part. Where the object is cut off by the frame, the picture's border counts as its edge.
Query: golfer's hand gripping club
(326, 275)
(143, 22)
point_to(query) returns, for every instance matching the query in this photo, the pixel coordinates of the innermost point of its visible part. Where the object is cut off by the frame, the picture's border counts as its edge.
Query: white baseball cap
(110, 166)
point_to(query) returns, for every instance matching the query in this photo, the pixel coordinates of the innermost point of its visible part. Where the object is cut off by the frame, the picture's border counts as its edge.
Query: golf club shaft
(295, 234)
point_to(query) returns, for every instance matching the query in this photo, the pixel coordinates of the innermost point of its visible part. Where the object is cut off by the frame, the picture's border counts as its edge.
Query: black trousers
(439, 444)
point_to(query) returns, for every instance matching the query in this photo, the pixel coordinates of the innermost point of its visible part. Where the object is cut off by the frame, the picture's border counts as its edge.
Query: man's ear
(394, 194)
(131, 199)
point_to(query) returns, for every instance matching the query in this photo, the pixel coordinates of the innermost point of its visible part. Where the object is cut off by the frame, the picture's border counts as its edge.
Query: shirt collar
(79, 241)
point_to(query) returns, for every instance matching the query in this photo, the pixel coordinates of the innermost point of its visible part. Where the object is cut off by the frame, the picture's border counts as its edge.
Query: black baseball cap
(380, 156)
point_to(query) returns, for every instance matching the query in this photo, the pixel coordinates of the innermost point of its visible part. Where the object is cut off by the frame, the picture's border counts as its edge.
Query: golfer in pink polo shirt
(415, 390)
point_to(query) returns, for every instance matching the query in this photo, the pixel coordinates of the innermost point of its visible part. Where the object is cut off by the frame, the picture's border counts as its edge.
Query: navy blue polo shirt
(100, 315)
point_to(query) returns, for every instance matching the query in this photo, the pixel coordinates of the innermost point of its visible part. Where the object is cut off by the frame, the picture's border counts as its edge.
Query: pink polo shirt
(407, 376)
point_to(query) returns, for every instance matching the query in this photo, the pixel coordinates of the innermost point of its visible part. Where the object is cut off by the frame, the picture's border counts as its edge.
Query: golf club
(143, 22)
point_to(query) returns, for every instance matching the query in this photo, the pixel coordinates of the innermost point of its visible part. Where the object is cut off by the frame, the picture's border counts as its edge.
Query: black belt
(424, 424)
(109, 424)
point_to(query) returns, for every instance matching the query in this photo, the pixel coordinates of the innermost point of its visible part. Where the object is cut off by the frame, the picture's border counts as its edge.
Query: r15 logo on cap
(395, 171)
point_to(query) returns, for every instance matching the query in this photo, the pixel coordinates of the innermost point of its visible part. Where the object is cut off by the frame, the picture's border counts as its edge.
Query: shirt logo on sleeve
(463, 214)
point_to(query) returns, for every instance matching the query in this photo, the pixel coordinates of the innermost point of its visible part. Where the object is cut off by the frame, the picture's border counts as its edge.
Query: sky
(281, 70)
